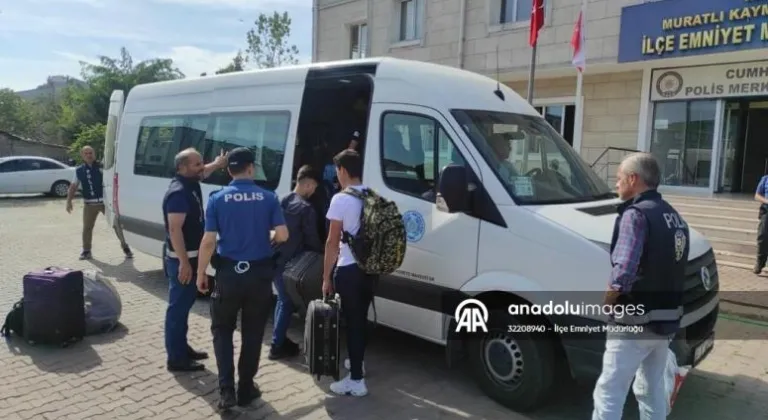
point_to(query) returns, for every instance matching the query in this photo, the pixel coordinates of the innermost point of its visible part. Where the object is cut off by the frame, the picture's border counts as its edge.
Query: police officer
(649, 251)
(242, 215)
(183, 217)
(90, 176)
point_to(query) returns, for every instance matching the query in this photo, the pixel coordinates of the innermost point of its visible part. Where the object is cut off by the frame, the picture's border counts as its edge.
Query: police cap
(239, 158)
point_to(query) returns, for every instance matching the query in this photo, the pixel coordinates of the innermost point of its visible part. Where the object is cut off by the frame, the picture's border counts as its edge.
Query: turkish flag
(537, 21)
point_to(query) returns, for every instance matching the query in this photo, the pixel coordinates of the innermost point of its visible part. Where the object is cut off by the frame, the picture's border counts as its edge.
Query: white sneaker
(348, 366)
(349, 386)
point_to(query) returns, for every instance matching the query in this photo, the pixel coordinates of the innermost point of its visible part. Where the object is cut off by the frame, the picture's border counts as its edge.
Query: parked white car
(34, 175)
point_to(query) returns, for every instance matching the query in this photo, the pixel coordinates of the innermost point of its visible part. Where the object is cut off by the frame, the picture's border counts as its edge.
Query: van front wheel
(515, 369)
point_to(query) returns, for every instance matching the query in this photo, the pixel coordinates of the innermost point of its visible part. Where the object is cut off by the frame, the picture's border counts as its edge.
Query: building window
(682, 141)
(358, 42)
(410, 17)
(561, 117)
(511, 11)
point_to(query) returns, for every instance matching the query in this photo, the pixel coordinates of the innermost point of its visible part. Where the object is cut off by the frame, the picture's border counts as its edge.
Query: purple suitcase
(54, 307)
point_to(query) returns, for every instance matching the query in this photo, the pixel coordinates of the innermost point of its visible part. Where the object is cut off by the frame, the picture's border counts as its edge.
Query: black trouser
(762, 239)
(251, 293)
(356, 291)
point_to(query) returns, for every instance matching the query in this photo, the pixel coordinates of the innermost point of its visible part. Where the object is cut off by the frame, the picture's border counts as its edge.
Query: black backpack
(14, 321)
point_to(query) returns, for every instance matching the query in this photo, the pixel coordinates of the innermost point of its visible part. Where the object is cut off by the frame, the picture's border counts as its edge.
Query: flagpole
(579, 117)
(532, 73)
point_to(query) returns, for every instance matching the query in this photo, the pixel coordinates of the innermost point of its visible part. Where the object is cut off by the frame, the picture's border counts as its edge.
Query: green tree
(84, 106)
(91, 135)
(237, 64)
(15, 114)
(268, 42)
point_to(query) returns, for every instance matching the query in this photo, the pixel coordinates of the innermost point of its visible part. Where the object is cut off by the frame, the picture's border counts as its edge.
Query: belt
(93, 200)
(171, 254)
(241, 267)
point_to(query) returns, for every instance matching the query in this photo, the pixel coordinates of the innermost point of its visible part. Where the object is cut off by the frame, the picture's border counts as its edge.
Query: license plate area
(703, 349)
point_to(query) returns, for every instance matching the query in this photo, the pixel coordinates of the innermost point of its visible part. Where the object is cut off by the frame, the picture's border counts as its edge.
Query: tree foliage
(92, 135)
(237, 64)
(83, 106)
(15, 114)
(268, 42)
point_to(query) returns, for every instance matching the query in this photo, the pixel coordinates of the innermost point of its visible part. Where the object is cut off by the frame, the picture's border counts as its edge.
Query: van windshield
(531, 159)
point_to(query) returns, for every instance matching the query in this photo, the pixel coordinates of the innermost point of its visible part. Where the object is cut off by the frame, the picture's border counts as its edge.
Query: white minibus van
(516, 227)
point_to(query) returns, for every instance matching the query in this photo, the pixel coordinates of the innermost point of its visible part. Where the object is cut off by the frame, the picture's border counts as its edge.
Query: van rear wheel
(515, 369)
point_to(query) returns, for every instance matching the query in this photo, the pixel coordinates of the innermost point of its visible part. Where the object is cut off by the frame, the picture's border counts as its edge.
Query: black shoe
(288, 349)
(86, 255)
(186, 367)
(246, 394)
(227, 399)
(196, 355)
(127, 252)
(759, 264)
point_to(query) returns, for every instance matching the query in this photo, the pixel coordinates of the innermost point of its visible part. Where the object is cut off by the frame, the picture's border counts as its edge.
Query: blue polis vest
(194, 225)
(661, 274)
(92, 183)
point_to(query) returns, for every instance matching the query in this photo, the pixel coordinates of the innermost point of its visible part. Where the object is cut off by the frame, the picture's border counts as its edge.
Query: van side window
(160, 138)
(414, 150)
(266, 133)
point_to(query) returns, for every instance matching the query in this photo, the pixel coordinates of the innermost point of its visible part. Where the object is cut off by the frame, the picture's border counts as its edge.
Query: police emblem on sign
(669, 84)
(679, 244)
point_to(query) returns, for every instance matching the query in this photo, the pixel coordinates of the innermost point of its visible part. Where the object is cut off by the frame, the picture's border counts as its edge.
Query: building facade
(679, 78)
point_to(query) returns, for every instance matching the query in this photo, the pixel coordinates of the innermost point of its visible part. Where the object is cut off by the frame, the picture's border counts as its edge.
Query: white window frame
(578, 115)
(356, 26)
(493, 9)
(420, 22)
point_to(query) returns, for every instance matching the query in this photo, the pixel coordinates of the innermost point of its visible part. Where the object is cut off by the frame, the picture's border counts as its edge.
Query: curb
(744, 311)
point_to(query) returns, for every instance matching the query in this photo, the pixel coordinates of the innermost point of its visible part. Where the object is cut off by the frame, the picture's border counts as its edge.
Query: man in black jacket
(301, 220)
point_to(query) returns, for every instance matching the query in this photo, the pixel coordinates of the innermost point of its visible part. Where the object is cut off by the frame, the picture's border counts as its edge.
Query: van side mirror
(453, 189)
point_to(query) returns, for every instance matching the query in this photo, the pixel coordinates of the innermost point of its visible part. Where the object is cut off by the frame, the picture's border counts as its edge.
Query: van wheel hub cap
(504, 359)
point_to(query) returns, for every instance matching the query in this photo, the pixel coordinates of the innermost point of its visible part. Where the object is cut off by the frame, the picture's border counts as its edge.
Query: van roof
(407, 81)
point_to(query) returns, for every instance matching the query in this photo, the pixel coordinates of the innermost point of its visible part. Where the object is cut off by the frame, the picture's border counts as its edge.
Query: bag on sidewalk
(54, 306)
(321, 337)
(103, 305)
(674, 377)
(14, 321)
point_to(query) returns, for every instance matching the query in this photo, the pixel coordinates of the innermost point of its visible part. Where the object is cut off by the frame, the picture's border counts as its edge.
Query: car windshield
(531, 159)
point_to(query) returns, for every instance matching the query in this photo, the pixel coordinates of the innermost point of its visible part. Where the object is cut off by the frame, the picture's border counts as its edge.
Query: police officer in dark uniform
(183, 218)
(243, 216)
(649, 252)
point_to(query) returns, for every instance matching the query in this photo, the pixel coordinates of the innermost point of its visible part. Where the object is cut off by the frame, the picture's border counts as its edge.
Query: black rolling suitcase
(321, 337)
(54, 306)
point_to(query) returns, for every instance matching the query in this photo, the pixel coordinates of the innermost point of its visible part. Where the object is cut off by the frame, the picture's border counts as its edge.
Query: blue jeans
(283, 311)
(642, 356)
(181, 298)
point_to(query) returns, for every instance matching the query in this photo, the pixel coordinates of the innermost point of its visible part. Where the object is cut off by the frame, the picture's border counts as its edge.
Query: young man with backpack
(366, 238)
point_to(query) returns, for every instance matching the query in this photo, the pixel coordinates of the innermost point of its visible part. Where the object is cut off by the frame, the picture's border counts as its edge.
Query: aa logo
(471, 314)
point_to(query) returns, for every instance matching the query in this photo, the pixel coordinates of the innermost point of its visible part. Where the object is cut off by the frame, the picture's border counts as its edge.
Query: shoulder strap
(353, 192)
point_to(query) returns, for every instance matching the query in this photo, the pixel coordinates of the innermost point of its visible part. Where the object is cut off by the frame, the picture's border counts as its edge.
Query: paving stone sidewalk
(122, 375)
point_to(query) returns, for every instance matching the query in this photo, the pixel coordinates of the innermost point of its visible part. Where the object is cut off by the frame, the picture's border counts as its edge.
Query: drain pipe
(462, 18)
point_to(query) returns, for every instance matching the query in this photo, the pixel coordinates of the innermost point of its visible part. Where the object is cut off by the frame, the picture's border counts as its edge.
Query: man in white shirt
(353, 285)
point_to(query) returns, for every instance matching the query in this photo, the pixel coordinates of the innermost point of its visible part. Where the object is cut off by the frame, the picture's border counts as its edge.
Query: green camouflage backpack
(379, 245)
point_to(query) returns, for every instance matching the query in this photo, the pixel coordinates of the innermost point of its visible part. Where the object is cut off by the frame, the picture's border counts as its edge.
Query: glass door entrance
(744, 157)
